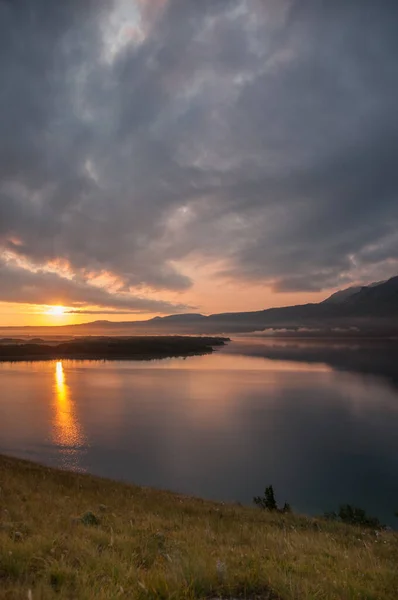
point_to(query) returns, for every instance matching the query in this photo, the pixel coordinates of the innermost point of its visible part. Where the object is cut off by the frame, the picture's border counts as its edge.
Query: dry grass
(152, 544)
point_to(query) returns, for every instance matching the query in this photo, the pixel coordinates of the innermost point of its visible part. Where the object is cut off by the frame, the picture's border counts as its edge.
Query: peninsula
(132, 348)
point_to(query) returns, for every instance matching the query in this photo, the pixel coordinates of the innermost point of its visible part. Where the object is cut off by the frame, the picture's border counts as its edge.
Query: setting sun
(56, 310)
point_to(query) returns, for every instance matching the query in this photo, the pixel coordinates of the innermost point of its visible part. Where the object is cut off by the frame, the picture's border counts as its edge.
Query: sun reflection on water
(68, 434)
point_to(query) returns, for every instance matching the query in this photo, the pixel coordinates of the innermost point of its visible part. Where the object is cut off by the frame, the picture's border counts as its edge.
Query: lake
(317, 421)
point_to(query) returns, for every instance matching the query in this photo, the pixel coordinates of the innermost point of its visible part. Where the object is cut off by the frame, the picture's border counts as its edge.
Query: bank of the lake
(111, 348)
(152, 544)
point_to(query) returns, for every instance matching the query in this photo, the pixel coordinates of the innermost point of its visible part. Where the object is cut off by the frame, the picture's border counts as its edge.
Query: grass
(67, 535)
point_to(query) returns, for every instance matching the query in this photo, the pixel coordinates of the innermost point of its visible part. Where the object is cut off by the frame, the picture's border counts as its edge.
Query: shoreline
(113, 348)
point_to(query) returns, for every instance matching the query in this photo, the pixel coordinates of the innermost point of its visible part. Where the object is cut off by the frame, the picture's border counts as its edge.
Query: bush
(89, 518)
(354, 516)
(268, 502)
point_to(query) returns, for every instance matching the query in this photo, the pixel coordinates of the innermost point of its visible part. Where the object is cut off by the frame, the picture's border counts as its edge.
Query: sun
(56, 311)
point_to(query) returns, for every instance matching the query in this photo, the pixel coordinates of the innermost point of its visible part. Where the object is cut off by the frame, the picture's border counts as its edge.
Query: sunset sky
(162, 156)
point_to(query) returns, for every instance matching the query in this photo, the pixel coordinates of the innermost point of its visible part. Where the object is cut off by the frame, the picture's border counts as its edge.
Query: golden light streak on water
(68, 434)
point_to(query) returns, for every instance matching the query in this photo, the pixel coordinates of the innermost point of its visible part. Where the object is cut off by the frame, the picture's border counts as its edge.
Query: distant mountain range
(371, 309)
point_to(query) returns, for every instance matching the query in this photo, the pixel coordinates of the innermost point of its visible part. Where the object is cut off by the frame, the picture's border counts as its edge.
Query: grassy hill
(66, 535)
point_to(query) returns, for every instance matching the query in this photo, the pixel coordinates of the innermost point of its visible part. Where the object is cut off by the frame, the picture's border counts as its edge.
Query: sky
(171, 156)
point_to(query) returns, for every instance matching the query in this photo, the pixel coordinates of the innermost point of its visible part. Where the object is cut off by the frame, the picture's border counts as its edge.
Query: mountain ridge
(371, 307)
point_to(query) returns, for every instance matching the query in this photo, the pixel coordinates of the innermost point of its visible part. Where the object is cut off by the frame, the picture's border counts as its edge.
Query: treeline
(134, 347)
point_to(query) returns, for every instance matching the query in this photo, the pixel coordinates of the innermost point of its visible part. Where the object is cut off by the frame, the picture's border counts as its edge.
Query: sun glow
(56, 311)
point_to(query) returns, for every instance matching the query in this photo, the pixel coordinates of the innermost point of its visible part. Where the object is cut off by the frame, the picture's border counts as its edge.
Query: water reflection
(366, 357)
(67, 431)
(313, 421)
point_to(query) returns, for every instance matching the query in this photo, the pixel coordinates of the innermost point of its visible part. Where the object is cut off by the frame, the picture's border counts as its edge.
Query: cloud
(43, 287)
(259, 135)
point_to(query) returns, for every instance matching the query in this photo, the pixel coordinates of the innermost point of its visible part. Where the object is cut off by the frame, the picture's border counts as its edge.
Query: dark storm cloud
(262, 133)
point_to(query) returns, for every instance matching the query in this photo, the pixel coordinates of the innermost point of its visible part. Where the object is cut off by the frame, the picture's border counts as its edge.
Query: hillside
(378, 300)
(343, 295)
(66, 535)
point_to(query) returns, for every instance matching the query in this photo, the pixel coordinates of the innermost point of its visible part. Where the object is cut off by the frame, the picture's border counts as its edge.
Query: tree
(267, 502)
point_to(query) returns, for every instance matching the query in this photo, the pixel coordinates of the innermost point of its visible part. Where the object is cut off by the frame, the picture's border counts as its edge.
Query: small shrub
(62, 578)
(268, 502)
(89, 518)
(57, 578)
(353, 515)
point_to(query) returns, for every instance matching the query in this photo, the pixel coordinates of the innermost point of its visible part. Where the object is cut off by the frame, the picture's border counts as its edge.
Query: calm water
(319, 423)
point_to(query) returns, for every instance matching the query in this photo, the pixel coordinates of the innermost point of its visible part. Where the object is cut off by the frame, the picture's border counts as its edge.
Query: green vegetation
(268, 502)
(347, 513)
(73, 536)
(133, 348)
(354, 516)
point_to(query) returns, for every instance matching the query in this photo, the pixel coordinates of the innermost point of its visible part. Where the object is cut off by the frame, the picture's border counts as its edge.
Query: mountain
(181, 318)
(375, 300)
(365, 310)
(342, 295)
